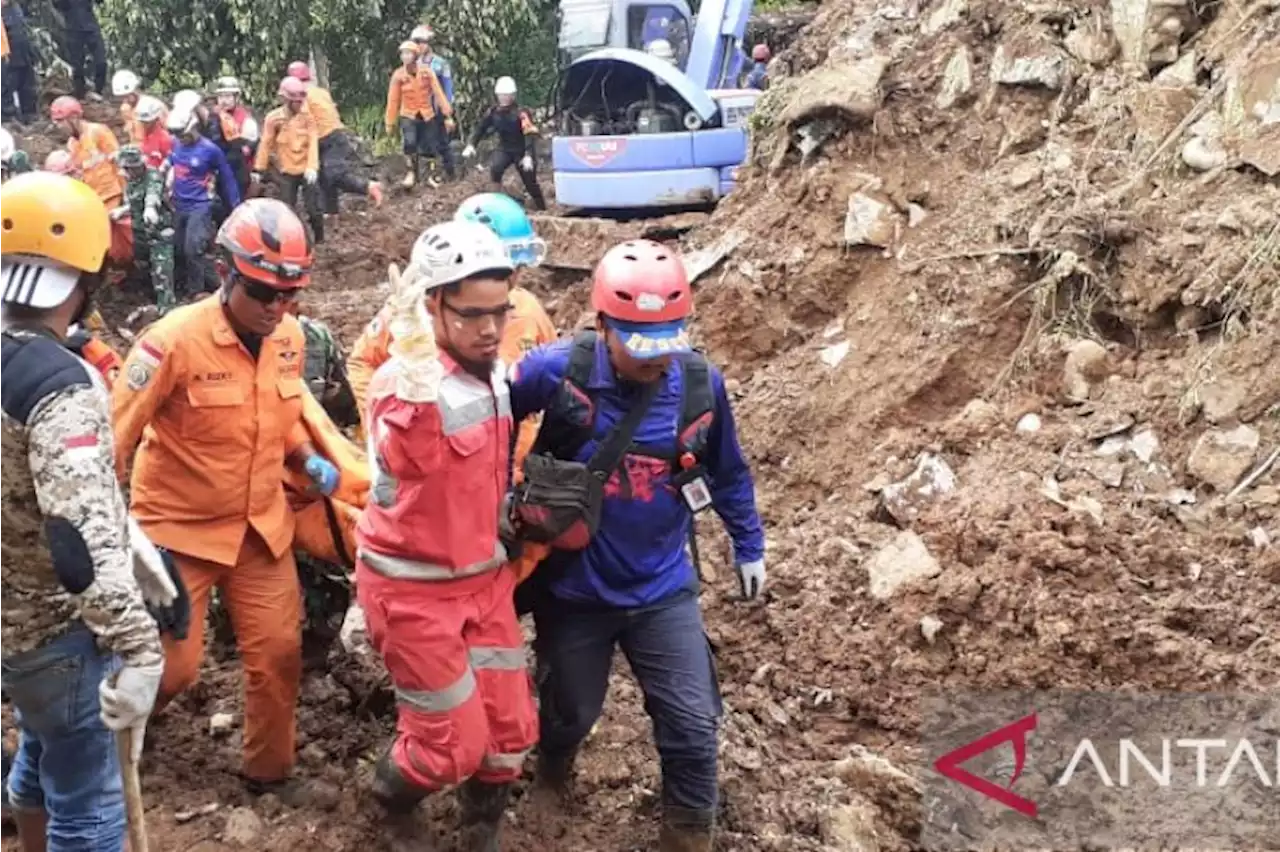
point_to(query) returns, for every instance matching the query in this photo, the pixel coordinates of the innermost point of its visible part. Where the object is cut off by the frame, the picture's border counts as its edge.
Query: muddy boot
(411, 175)
(483, 806)
(399, 800)
(686, 830)
(553, 781)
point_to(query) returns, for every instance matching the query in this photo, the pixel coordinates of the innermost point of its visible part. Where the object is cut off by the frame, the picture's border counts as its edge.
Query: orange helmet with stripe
(265, 241)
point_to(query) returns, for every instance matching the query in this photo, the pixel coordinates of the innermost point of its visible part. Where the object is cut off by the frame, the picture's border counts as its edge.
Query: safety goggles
(527, 252)
(266, 294)
(284, 271)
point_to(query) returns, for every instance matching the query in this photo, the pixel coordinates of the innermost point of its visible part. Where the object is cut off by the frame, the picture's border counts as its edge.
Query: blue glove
(322, 473)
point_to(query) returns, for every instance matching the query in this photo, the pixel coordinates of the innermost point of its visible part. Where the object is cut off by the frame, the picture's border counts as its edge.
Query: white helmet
(504, 86)
(227, 86)
(149, 108)
(181, 120)
(422, 32)
(187, 100)
(452, 251)
(7, 146)
(124, 83)
(660, 48)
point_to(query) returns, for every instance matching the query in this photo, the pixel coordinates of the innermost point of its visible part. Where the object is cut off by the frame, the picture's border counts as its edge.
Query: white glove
(354, 635)
(751, 577)
(151, 216)
(118, 213)
(126, 701)
(310, 176)
(469, 151)
(255, 177)
(526, 164)
(148, 569)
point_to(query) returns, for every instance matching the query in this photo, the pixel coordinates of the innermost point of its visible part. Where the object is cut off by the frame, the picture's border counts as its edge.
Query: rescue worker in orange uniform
(214, 391)
(336, 150)
(289, 133)
(93, 147)
(411, 98)
(438, 604)
(528, 325)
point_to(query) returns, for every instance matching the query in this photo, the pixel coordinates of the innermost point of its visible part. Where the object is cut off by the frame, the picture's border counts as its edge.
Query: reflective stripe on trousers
(456, 694)
(400, 568)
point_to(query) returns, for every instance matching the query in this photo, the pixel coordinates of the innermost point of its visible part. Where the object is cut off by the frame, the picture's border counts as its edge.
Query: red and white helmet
(642, 290)
(65, 107)
(292, 89)
(300, 70)
(760, 53)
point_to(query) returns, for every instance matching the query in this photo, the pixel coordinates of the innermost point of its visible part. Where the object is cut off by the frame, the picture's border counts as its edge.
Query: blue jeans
(66, 762)
(671, 658)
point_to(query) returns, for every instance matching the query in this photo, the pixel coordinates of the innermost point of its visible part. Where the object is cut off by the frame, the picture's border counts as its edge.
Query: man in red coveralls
(430, 576)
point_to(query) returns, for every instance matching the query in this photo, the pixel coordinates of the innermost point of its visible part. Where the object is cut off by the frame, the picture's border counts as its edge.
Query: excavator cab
(590, 25)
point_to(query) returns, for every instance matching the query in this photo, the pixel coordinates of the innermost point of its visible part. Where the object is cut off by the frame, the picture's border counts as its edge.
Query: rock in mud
(851, 828)
(1092, 43)
(1221, 457)
(1029, 60)
(957, 79)
(220, 724)
(1086, 365)
(930, 626)
(932, 480)
(1221, 400)
(944, 15)
(243, 828)
(871, 220)
(904, 560)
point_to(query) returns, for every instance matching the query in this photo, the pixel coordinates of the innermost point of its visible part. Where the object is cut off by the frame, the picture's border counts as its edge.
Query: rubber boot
(317, 228)
(686, 830)
(33, 829)
(399, 799)
(553, 782)
(483, 806)
(411, 176)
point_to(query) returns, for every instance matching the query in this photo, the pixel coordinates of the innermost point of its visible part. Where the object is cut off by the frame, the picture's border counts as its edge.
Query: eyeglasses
(268, 295)
(475, 316)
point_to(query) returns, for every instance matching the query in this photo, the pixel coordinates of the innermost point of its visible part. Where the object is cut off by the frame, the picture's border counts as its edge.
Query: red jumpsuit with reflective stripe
(437, 603)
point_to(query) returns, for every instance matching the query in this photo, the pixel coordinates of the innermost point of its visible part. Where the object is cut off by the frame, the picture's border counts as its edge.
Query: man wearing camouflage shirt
(152, 222)
(82, 655)
(325, 371)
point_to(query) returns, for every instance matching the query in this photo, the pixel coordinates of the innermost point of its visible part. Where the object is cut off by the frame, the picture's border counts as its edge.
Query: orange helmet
(265, 241)
(60, 162)
(65, 107)
(293, 89)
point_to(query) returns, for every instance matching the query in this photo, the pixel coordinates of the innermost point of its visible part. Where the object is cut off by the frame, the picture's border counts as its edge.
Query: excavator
(647, 110)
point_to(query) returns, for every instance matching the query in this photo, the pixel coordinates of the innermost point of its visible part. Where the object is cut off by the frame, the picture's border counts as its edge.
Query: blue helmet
(503, 215)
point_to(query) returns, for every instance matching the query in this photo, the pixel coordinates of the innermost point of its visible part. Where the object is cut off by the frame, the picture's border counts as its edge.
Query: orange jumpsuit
(292, 137)
(323, 111)
(529, 326)
(216, 427)
(94, 153)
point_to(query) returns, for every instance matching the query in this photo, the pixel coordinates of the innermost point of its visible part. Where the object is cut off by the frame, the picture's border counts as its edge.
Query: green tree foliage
(176, 44)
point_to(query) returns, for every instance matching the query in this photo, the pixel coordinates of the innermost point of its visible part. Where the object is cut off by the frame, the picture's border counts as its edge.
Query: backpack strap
(582, 359)
(697, 406)
(556, 435)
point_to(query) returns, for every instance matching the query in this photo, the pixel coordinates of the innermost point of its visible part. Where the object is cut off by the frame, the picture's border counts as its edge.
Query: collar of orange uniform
(223, 333)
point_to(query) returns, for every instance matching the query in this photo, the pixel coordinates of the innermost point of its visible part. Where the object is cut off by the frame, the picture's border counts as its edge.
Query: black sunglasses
(268, 295)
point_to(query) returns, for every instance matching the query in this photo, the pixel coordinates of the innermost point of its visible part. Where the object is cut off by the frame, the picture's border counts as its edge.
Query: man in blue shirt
(634, 584)
(758, 76)
(198, 171)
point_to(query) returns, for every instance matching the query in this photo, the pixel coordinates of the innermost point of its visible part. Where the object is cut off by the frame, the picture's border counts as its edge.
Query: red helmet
(300, 70)
(65, 107)
(760, 53)
(642, 289)
(265, 241)
(293, 89)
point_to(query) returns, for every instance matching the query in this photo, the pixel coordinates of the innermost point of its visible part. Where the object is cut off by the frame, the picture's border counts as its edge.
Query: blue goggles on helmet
(526, 251)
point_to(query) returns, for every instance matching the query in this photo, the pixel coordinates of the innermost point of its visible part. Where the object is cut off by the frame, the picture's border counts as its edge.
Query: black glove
(174, 619)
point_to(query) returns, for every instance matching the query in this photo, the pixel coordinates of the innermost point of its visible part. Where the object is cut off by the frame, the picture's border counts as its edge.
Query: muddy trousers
(21, 96)
(153, 252)
(66, 761)
(290, 187)
(192, 232)
(426, 137)
(670, 656)
(265, 604)
(501, 160)
(82, 45)
(336, 156)
(457, 661)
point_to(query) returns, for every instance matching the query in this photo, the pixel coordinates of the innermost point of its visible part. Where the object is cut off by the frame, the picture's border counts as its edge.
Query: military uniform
(154, 242)
(325, 372)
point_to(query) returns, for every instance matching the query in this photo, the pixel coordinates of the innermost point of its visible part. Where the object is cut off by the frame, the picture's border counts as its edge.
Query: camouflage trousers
(153, 254)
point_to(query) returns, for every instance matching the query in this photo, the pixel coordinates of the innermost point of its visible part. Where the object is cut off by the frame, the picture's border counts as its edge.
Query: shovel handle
(132, 791)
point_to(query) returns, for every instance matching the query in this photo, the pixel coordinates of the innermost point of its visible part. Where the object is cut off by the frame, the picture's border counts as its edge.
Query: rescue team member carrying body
(153, 230)
(200, 174)
(430, 576)
(411, 98)
(126, 86)
(214, 392)
(289, 133)
(528, 325)
(517, 140)
(74, 595)
(333, 145)
(93, 148)
(633, 584)
(152, 135)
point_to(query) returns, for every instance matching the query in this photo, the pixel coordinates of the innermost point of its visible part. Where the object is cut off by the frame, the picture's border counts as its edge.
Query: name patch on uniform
(213, 377)
(138, 375)
(149, 354)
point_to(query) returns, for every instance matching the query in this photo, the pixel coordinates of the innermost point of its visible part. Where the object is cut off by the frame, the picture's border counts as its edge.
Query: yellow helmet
(52, 228)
